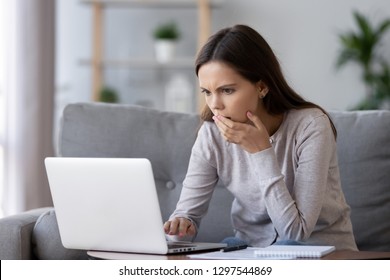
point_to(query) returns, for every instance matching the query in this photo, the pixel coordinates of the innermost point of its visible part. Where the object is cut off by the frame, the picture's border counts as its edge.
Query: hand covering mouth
(223, 116)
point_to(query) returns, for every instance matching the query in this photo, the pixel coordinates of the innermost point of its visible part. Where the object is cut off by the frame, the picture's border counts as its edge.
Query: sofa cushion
(119, 130)
(364, 161)
(113, 130)
(47, 242)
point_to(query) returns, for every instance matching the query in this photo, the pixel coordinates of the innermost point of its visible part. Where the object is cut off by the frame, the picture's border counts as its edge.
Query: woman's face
(228, 93)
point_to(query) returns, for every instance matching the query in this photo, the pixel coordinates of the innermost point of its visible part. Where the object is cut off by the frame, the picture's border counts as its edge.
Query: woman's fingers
(179, 226)
(191, 229)
(228, 128)
(256, 120)
(251, 137)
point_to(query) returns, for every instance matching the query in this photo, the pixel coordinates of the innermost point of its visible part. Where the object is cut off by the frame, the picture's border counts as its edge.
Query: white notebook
(294, 251)
(275, 252)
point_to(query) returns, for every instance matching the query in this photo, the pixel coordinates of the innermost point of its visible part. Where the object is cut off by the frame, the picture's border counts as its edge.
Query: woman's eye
(228, 90)
(205, 91)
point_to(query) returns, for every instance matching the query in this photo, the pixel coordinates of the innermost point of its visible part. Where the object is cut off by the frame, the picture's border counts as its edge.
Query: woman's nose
(215, 102)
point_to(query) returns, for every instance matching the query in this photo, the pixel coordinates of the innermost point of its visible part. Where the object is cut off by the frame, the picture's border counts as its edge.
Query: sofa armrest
(46, 240)
(16, 233)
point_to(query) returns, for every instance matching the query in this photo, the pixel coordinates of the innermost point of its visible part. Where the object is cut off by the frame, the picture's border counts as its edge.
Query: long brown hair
(246, 51)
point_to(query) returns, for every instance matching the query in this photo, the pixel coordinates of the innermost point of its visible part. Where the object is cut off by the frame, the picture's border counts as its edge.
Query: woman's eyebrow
(227, 85)
(220, 87)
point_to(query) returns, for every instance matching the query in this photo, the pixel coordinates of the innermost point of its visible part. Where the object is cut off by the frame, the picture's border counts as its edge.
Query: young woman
(274, 151)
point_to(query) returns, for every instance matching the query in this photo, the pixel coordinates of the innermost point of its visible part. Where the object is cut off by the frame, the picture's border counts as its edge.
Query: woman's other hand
(251, 137)
(180, 226)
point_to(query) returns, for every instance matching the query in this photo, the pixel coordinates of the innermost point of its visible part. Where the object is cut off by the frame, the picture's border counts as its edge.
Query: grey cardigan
(288, 192)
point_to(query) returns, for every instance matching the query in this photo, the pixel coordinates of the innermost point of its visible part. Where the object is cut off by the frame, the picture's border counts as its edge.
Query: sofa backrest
(363, 145)
(165, 138)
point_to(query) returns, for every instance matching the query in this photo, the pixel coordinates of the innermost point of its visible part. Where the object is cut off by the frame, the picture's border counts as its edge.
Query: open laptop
(110, 204)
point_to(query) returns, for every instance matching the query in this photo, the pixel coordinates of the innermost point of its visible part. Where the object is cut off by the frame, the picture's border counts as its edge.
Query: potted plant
(166, 36)
(108, 95)
(361, 47)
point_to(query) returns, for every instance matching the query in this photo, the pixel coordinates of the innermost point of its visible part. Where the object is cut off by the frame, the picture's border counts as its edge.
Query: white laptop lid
(109, 204)
(106, 204)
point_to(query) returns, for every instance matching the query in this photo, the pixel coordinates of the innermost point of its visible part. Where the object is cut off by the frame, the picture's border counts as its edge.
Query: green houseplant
(165, 36)
(108, 95)
(361, 47)
(167, 31)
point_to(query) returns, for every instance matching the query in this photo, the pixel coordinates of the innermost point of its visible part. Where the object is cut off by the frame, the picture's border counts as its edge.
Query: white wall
(303, 34)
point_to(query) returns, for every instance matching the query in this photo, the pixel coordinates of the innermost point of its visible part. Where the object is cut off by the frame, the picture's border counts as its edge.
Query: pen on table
(234, 248)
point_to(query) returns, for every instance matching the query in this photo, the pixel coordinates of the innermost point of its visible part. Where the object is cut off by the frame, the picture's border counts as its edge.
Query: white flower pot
(165, 50)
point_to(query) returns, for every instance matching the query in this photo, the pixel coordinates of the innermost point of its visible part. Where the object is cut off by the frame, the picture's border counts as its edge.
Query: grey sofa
(104, 130)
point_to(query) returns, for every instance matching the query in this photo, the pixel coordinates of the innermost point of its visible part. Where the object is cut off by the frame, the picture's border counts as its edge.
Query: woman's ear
(262, 89)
